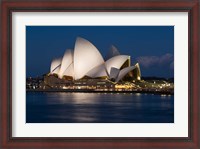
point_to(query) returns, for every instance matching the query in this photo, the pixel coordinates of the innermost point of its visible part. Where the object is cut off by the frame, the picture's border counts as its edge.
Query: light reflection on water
(61, 107)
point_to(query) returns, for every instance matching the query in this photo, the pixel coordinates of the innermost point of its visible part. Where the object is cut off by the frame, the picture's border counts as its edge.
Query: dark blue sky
(151, 46)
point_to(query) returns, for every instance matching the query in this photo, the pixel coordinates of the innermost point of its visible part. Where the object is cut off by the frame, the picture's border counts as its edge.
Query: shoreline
(99, 91)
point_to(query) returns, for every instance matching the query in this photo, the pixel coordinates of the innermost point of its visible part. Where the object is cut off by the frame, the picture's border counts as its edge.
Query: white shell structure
(112, 52)
(86, 57)
(55, 65)
(69, 71)
(86, 60)
(56, 71)
(114, 73)
(124, 71)
(116, 61)
(139, 72)
(66, 61)
(99, 71)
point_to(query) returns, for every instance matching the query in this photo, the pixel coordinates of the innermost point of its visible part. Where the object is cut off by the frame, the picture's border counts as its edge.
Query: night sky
(151, 46)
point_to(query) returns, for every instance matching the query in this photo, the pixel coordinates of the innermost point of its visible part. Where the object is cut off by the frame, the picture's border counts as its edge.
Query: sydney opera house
(84, 67)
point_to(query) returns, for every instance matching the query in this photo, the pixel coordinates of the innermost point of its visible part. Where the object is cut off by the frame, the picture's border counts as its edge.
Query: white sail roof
(56, 71)
(86, 57)
(116, 61)
(99, 71)
(66, 61)
(112, 52)
(86, 60)
(124, 71)
(69, 71)
(55, 65)
(114, 73)
(138, 72)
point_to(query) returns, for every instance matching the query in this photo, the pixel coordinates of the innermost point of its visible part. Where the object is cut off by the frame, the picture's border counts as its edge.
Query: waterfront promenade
(162, 92)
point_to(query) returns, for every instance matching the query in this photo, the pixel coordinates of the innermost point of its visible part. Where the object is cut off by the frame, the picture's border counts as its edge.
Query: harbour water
(65, 107)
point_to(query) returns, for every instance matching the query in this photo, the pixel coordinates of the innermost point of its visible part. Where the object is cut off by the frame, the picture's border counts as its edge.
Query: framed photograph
(100, 74)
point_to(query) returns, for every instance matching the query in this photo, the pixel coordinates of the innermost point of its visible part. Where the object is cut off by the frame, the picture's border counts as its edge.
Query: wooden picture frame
(9, 6)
